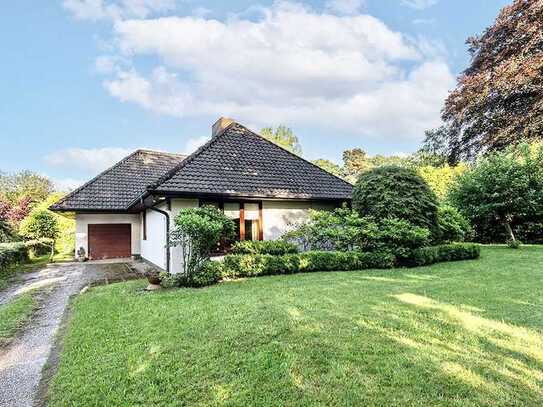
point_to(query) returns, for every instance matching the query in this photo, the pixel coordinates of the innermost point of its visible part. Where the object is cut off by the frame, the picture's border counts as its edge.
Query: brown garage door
(109, 241)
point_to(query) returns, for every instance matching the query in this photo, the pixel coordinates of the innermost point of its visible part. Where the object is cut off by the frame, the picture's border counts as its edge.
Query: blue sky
(85, 81)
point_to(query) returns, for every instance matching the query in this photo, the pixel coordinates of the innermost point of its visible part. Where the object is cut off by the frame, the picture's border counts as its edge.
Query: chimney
(220, 125)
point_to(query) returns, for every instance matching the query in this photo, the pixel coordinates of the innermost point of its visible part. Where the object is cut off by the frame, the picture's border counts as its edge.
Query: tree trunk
(509, 231)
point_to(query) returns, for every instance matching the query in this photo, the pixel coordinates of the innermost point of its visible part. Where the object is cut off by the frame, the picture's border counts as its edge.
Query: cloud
(340, 72)
(92, 159)
(344, 7)
(419, 4)
(66, 184)
(115, 10)
(194, 143)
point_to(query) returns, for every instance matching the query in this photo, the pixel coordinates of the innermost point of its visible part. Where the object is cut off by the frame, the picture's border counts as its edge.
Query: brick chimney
(220, 125)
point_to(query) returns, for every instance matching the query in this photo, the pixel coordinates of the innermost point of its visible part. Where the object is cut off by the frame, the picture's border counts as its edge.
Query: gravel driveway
(21, 362)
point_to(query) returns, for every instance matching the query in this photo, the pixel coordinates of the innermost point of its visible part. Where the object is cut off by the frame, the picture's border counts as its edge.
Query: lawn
(453, 334)
(15, 314)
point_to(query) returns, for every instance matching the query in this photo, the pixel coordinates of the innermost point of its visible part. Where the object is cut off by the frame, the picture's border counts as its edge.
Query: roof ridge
(291, 153)
(147, 150)
(188, 159)
(69, 195)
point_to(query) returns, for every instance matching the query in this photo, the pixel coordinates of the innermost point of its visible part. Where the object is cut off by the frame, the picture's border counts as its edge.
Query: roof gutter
(167, 216)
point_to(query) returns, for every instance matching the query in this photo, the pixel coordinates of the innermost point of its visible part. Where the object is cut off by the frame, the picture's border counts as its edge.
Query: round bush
(395, 192)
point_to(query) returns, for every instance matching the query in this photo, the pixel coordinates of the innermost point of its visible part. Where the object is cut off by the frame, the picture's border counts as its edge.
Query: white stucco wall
(82, 222)
(153, 248)
(279, 217)
(176, 255)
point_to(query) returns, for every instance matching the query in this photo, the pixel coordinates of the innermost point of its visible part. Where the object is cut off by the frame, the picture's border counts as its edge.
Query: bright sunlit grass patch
(462, 334)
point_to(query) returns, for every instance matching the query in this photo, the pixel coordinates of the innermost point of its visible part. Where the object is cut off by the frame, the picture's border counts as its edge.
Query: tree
(41, 225)
(392, 192)
(506, 187)
(330, 166)
(198, 231)
(6, 233)
(498, 100)
(355, 162)
(440, 179)
(25, 184)
(14, 213)
(284, 137)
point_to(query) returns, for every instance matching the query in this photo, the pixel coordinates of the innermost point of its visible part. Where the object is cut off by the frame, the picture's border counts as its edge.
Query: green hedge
(251, 265)
(274, 247)
(450, 252)
(12, 254)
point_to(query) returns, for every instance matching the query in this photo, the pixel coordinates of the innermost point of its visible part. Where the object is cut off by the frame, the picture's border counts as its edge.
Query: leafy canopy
(396, 192)
(498, 100)
(198, 231)
(504, 186)
(284, 137)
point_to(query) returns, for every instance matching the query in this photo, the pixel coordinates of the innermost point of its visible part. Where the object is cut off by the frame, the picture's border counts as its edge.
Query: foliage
(275, 247)
(343, 229)
(40, 224)
(284, 137)
(14, 212)
(396, 192)
(209, 273)
(6, 232)
(330, 166)
(12, 254)
(25, 184)
(198, 231)
(504, 186)
(453, 227)
(425, 256)
(498, 100)
(356, 161)
(440, 179)
(513, 244)
(252, 265)
(65, 242)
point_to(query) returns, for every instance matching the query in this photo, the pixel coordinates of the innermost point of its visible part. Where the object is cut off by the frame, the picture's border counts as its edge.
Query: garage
(109, 241)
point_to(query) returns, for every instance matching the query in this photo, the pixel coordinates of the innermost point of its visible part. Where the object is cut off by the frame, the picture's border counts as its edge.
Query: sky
(85, 82)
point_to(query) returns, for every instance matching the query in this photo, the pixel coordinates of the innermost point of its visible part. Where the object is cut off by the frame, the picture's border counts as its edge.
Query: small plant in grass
(197, 232)
(513, 243)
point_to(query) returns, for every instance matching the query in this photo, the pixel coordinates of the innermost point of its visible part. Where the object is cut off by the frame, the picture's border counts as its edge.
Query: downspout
(167, 216)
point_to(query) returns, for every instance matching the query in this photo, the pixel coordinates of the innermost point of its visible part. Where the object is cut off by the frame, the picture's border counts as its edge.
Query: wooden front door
(110, 241)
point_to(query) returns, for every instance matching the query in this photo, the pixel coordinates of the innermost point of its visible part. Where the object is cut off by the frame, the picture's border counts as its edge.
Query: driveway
(21, 362)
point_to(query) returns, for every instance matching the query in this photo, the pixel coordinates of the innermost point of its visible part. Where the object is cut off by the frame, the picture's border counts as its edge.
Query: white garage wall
(82, 222)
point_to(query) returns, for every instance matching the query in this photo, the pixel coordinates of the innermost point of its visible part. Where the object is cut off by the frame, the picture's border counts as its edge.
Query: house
(129, 209)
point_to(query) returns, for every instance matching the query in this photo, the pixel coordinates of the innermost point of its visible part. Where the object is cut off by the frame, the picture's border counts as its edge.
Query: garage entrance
(110, 241)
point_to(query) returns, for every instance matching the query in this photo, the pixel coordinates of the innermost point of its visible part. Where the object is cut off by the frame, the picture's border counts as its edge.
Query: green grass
(15, 314)
(454, 334)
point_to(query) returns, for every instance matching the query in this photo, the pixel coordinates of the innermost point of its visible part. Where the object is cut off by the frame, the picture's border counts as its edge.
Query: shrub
(41, 224)
(209, 273)
(453, 227)
(275, 247)
(198, 231)
(265, 264)
(396, 192)
(451, 252)
(12, 254)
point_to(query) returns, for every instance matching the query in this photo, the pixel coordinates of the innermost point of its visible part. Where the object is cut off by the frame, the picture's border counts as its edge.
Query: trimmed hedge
(274, 247)
(12, 254)
(251, 265)
(450, 252)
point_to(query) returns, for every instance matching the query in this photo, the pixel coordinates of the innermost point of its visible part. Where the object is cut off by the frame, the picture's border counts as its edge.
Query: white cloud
(115, 10)
(92, 159)
(419, 4)
(194, 143)
(341, 72)
(66, 184)
(344, 7)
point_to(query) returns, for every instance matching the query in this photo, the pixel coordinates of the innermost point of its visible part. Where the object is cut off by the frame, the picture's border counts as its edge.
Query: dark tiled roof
(120, 186)
(238, 162)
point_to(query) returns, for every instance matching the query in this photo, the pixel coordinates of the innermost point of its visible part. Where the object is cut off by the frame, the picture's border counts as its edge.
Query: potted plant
(153, 278)
(81, 255)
